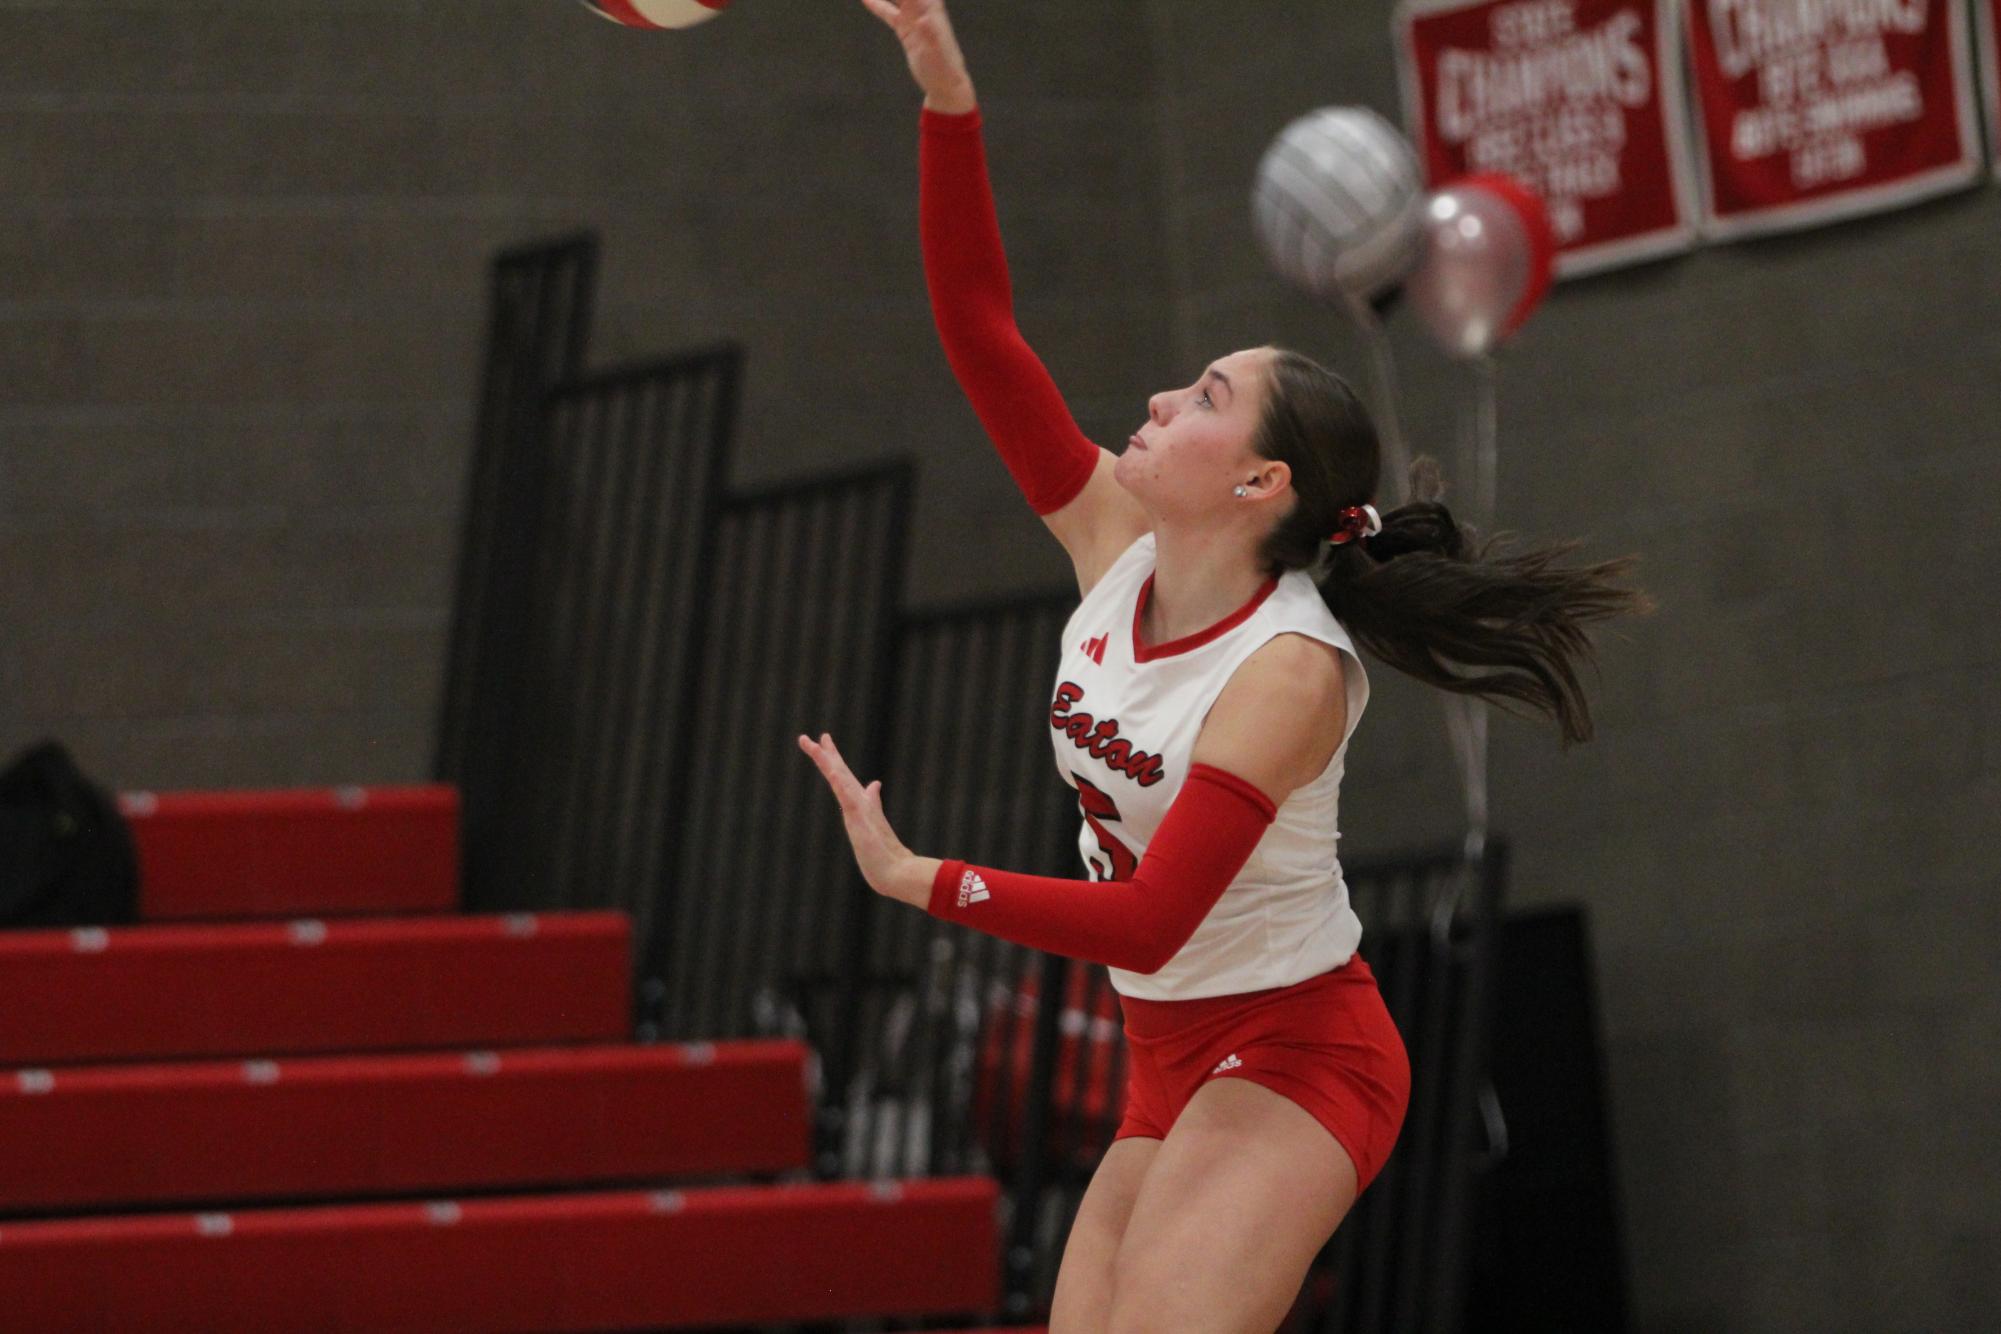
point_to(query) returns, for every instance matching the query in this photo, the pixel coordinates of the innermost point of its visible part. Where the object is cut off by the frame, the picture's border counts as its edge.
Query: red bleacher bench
(275, 988)
(719, 1256)
(319, 852)
(109, 1137)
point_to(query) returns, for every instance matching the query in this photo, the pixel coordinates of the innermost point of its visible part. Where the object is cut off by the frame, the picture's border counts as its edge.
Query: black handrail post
(1019, 1263)
(537, 328)
(1469, 1067)
(840, 1057)
(649, 995)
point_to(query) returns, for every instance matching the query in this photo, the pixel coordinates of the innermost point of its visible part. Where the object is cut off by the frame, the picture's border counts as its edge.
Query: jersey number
(1097, 805)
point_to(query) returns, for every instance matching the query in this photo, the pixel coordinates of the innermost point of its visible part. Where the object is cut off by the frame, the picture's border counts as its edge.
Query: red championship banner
(1812, 110)
(1580, 100)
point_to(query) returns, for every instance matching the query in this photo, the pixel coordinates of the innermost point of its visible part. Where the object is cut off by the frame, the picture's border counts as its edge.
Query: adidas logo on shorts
(972, 889)
(1229, 1062)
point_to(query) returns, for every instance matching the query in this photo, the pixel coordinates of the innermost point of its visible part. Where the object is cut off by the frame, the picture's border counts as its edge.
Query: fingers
(830, 768)
(876, 846)
(842, 761)
(835, 761)
(902, 15)
(848, 790)
(898, 14)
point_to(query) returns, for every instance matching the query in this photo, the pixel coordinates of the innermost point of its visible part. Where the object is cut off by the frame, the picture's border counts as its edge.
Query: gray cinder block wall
(242, 272)
(242, 250)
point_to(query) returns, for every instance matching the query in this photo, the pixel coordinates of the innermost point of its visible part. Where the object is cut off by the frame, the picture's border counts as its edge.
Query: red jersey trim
(1142, 653)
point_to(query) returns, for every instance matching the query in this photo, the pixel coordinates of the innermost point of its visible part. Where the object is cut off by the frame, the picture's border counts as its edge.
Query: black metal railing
(1432, 928)
(635, 461)
(762, 888)
(538, 321)
(968, 774)
(574, 761)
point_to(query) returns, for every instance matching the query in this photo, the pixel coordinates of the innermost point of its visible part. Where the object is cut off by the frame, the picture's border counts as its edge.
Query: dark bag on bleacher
(66, 853)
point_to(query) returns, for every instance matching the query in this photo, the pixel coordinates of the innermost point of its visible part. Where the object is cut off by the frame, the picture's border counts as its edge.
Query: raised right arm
(972, 302)
(1066, 479)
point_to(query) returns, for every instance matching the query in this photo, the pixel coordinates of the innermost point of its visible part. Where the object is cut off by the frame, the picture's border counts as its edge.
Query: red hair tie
(1357, 521)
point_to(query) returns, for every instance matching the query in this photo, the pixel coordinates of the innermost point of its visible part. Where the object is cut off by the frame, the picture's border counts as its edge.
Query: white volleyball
(1339, 204)
(657, 13)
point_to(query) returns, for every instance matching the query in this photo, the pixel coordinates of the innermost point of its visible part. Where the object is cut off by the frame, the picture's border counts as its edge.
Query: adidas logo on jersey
(1094, 649)
(972, 889)
(1229, 1062)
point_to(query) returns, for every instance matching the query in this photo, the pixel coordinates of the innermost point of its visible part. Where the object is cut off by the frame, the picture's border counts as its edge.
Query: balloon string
(1486, 432)
(1466, 722)
(1389, 424)
(1466, 715)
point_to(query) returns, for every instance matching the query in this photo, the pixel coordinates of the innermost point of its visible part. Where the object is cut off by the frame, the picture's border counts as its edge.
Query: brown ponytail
(1425, 594)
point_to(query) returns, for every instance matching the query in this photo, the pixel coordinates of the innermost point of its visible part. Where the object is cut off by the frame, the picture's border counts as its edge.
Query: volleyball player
(1229, 563)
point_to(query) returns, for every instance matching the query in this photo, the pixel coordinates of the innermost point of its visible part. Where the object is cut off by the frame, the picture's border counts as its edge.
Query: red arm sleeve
(972, 302)
(1139, 924)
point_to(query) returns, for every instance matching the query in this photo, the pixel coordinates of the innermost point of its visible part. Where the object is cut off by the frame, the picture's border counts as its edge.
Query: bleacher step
(304, 852)
(574, 1262)
(112, 1137)
(306, 986)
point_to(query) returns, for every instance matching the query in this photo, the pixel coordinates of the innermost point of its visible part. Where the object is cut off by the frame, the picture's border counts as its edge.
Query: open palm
(929, 45)
(890, 868)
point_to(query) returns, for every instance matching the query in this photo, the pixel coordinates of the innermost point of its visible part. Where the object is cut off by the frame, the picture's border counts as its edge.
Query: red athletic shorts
(1327, 1043)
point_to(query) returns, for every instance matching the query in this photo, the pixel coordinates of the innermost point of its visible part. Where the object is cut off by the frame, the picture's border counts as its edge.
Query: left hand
(891, 869)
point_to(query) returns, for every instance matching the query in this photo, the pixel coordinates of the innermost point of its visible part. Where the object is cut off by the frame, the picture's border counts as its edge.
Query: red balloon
(1489, 256)
(1528, 205)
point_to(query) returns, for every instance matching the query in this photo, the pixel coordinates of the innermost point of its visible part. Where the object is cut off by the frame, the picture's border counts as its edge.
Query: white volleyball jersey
(1124, 721)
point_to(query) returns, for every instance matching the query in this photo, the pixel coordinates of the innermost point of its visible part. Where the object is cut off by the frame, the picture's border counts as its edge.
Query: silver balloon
(1338, 204)
(1478, 265)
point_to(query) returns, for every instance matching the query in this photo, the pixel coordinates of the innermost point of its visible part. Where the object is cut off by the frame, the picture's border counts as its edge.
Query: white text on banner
(1813, 110)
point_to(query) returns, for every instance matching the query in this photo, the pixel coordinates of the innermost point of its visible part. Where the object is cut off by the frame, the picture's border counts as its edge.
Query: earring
(1241, 492)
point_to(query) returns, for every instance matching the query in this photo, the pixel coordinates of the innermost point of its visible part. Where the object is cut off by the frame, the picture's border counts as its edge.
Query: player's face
(1196, 443)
